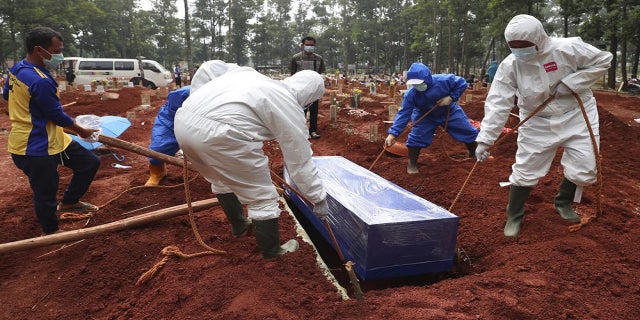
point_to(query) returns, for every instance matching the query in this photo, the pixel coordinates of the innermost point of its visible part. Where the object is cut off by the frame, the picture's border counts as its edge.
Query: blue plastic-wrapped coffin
(384, 229)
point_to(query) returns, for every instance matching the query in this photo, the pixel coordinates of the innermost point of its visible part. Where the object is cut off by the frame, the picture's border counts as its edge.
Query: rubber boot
(472, 148)
(156, 173)
(232, 208)
(268, 239)
(563, 201)
(412, 166)
(515, 209)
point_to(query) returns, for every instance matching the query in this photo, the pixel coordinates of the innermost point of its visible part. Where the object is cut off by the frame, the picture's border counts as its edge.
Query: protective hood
(419, 73)
(208, 71)
(306, 85)
(524, 27)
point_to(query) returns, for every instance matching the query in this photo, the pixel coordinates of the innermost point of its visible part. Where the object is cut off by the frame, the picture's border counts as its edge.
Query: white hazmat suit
(208, 71)
(538, 68)
(221, 128)
(570, 61)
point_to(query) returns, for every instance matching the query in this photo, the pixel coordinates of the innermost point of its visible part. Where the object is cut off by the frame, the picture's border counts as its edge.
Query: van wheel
(143, 82)
(150, 84)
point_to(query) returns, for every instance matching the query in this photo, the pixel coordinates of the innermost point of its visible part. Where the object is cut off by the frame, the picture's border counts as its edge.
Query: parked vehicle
(88, 71)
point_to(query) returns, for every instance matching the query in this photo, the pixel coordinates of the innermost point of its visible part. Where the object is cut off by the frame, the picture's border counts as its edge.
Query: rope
(75, 216)
(598, 156)
(443, 144)
(347, 264)
(384, 147)
(540, 107)
(172, 251)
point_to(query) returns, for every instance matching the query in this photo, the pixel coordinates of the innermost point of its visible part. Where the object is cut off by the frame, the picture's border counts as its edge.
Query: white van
(89, 70)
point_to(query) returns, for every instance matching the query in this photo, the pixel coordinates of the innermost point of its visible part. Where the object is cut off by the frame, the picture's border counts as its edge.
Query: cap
(415, 81)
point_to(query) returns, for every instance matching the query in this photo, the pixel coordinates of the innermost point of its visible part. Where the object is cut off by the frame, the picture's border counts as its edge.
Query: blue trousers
(42, 172)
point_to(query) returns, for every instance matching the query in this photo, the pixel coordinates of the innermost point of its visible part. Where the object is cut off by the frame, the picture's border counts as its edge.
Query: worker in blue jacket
(163, 138)
(439, 91)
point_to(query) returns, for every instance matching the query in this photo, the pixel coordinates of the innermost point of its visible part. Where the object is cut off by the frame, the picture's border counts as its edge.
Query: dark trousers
(42, 172)
(313, 116)
(178, 81)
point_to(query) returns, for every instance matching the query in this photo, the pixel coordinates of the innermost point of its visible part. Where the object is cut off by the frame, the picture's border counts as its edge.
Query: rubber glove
(563, 90)
(321, 209)
(444, 101)
(482, 152)
(390, 140)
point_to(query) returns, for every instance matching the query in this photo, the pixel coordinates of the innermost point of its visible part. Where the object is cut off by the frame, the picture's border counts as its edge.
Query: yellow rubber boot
(156, 173)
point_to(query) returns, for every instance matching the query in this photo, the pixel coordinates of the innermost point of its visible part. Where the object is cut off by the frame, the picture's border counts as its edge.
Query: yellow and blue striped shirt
(35, 112)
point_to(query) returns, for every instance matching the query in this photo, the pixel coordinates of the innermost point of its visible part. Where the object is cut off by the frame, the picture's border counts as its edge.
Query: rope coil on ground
(174, 251)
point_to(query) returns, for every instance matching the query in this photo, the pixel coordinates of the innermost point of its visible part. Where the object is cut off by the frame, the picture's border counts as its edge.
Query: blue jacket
(417, 103)
(163, 139)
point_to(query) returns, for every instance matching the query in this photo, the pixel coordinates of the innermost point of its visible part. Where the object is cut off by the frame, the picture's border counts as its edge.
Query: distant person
(471, 80)
(163, 138)
(538, 68)
(491, 71)
(37, 142)
(308, 60)
(221, 128)
(177, 74)
(439, 91)
(70, 75)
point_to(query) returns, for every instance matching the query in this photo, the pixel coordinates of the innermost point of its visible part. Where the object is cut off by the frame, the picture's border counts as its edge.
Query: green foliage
(383, 36)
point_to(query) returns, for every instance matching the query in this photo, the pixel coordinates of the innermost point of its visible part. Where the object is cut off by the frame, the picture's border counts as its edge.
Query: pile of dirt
(547, 273)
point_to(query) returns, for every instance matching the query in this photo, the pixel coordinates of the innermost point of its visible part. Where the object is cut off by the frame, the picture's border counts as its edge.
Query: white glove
(444, 101)
(563, 90)
(321, 209)
(390, 140)
(482, 151)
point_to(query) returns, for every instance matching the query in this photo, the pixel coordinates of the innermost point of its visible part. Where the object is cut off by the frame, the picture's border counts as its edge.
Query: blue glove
(321, 209)
(482, 151)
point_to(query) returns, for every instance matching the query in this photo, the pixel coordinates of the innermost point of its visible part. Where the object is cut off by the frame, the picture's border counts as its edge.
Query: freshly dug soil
(549, 272)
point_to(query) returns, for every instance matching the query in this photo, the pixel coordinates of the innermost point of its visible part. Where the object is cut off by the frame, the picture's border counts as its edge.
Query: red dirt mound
(547, 273)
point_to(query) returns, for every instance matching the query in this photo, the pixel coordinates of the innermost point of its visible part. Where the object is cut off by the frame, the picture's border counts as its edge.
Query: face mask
(524, 54)
(55, 61)
(420, 86)
(309, 48)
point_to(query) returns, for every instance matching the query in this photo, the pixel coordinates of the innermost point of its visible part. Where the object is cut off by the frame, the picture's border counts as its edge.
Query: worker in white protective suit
(163, 139)
(540, 67)
(221, 129)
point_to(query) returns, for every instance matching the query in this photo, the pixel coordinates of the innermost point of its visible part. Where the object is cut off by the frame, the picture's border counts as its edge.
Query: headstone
(373, 133)
(145, 100)
(334, 113)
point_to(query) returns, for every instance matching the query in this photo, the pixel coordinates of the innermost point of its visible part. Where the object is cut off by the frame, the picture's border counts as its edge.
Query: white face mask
(524, 54)
(420, 86)
(55, 61)
(309, 48)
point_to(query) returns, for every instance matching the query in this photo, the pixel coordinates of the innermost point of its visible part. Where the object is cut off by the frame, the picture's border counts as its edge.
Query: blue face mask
(309, 48)
(55, 61)
(524, 54)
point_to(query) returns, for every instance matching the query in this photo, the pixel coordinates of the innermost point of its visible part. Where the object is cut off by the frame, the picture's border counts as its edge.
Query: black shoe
(315, 135)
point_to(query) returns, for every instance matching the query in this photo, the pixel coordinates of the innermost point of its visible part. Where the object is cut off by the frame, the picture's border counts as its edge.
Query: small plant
(357, 91)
